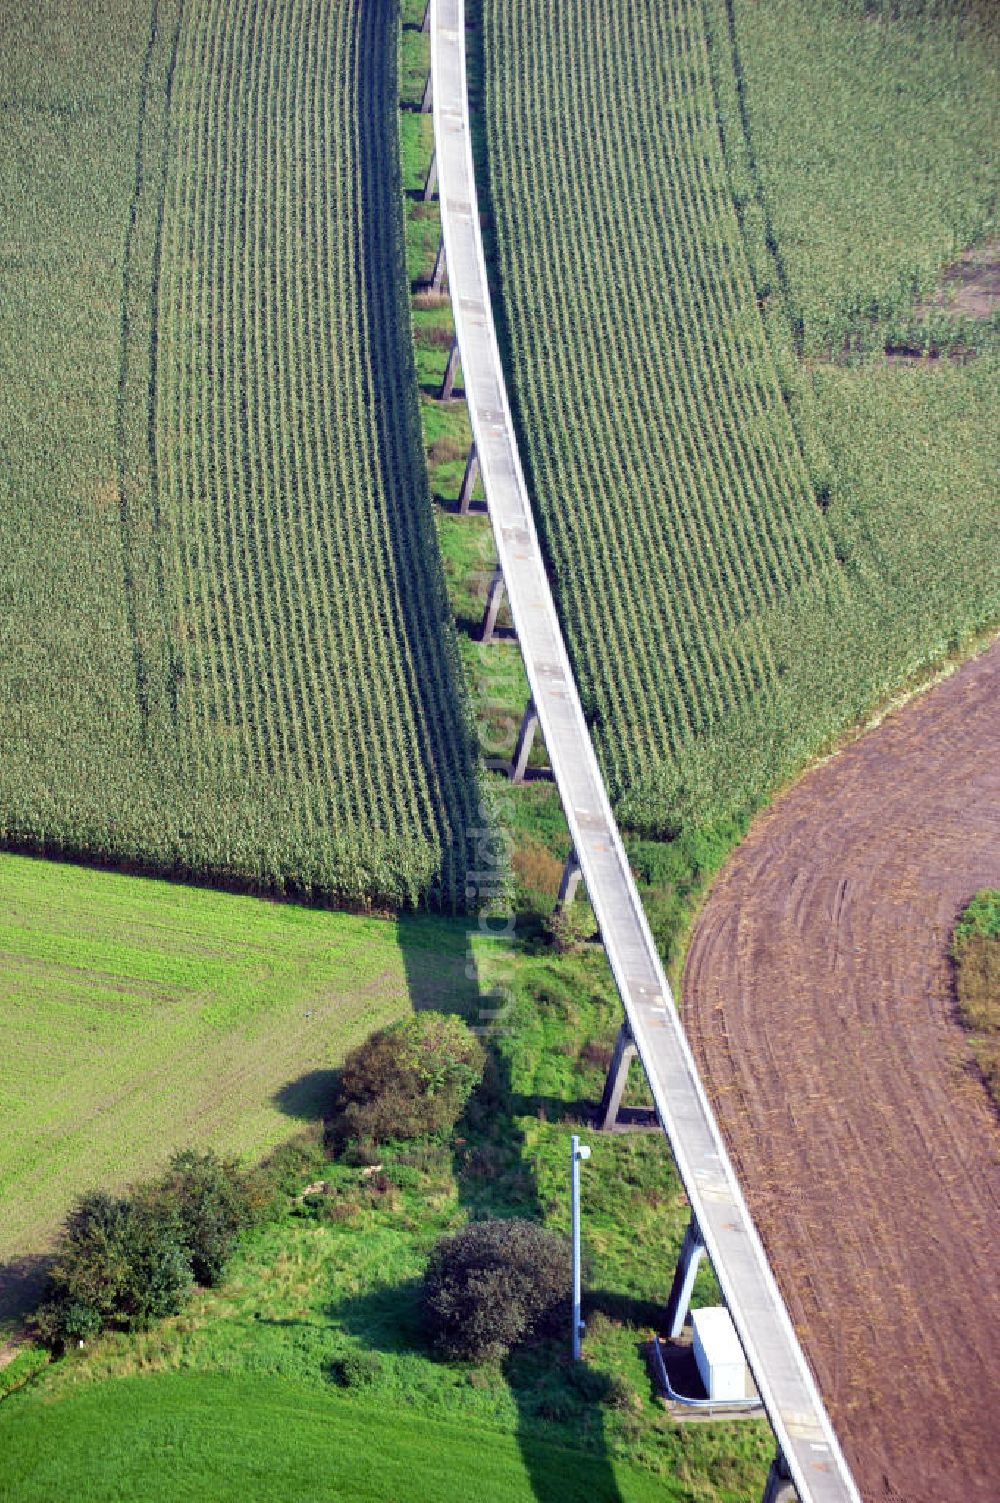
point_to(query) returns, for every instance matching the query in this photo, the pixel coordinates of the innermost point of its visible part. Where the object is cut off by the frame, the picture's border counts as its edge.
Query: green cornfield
(225, 646)
(749, 551)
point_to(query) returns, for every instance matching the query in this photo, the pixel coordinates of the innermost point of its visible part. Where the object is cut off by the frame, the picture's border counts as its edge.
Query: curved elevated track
(784, 1381)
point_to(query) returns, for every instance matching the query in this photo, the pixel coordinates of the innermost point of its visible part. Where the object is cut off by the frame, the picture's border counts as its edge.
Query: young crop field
(873, 128)
(139, 1017)
(748, 554)
(225, 646)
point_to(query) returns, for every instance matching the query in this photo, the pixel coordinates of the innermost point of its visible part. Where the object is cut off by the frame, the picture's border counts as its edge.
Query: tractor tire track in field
(818, 1000)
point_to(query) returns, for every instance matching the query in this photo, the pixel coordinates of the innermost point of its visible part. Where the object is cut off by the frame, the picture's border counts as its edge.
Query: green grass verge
(494, 676)
(976, 953)
(140, 1016)
(205, 1437)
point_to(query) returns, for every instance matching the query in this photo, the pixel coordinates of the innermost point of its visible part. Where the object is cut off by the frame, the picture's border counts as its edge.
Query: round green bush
(410, 1080)
(120, 1262)
(495, 1285)
(356, 1369)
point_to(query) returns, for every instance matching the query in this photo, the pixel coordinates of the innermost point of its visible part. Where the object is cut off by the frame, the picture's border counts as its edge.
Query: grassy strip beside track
(225, 648)
(494, 675)
(139, 1017)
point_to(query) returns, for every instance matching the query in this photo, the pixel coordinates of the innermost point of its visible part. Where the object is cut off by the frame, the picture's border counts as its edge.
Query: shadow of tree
(494, 1180)
(308, 1098)
(22, 1281)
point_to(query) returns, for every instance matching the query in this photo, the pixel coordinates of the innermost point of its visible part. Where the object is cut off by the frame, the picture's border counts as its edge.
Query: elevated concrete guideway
(784, 1381)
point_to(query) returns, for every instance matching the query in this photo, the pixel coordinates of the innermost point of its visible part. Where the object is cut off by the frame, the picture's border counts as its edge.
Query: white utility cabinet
(719, 1355)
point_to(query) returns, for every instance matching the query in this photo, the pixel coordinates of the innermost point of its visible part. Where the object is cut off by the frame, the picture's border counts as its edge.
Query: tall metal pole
(580, 1152)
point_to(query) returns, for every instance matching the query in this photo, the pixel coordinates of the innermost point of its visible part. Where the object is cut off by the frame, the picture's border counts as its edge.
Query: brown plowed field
(817, 999)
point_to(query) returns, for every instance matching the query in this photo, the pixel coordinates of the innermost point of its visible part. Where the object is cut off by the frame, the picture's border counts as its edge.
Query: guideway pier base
(468, 481)
(494, 598)
(525, 741)
(679, 1303)
(609, 1113)
(779, 1487)
(430, 182)
(450, 372)
(572, 872)
(440, 273)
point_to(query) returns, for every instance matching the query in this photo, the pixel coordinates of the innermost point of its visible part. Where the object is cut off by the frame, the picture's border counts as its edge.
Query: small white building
(719, 1355)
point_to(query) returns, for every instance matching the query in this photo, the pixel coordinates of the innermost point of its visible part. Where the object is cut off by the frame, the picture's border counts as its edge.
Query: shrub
(294, 1164)
(213, 1201)
(410, 1080)
(120, 1262)
(356, 1369)
(494, 1285)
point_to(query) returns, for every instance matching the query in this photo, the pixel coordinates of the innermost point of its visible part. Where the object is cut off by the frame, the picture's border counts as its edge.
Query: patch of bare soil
(817, 997)
(970, 288)
(969, 285)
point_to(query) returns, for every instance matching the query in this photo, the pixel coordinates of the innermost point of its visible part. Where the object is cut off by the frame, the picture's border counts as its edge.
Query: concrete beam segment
(679, 1303)
(525, 741)
(494, 599)
(572, 872)
(440, 273)
(425, 24)
(468, 481)
(782, 1375)
(614, 1086)
(450, 372)
(428, 95)
(430, 182)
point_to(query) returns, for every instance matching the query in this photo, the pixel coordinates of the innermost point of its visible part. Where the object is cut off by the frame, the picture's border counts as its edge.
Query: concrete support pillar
(614, 1086)
(430, 183)
(450, 372)
(494, 599)
(427, 102)
(692, 1252)
(425, 24)
(525, 741)
(570, 881)
(468, 481)
(440, 273)
(779, 1487)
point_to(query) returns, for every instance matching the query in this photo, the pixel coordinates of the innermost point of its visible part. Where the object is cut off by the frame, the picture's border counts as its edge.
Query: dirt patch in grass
(446, 450)
(818, 997)
(969, 285)
(969, 289)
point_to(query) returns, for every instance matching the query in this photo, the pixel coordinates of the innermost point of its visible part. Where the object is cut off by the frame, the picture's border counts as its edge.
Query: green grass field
(342, 1274)
(225, 646)
(139, 1016)
(200, 1438)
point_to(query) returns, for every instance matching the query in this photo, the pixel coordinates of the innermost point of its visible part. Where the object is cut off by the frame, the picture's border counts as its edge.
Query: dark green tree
(496, 1284)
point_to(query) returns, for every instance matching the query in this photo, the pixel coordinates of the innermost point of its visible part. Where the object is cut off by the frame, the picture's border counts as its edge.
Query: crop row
(673, 497)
